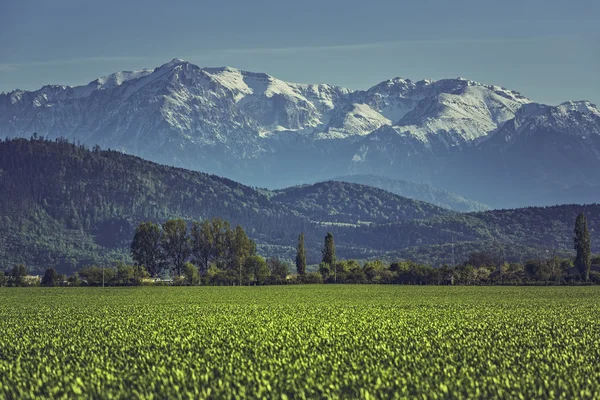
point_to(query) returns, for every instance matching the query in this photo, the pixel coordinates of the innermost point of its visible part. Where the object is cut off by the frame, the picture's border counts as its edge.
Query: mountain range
(67, 206)
(485, 143)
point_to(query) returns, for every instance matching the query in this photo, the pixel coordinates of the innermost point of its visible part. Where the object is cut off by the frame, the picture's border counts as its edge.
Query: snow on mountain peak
(582, 106)
(219, 104)
(117, 79)
(173, 63)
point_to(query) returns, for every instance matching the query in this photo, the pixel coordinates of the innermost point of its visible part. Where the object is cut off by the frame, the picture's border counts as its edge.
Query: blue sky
(548, 50)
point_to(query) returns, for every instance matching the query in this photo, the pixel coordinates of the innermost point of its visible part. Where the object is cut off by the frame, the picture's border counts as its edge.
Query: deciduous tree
(279, 269)
(50, 278)
(146, 248)
(191, 273)
(176, 245)
(202, 243)
(18, 274)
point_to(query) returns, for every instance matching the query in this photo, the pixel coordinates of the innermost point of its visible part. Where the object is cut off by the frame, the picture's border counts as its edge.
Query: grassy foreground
(301, 341)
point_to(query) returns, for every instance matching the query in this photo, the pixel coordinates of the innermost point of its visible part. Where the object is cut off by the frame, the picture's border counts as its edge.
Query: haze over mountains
(418, 191)
(485, 143)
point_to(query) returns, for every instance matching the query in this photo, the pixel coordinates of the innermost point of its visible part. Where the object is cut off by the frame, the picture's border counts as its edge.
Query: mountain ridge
(260, 130)
(418, 191)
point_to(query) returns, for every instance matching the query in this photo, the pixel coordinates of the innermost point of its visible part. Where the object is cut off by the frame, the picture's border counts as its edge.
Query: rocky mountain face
(545, 155)
(456, 134)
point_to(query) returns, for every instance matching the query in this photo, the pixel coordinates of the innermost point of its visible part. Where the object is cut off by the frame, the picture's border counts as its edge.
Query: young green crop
(300, 341)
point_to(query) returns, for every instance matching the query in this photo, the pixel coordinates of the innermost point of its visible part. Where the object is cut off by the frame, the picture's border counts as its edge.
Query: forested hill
(334, 201)
(65, 206)
(418, 191)
(516, 234)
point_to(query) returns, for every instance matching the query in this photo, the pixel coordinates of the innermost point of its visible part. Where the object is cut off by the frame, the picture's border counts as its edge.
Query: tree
(581, 243)
(124, 274)
(50, 278)
(256, 270)
(130, 275)
(240, 248)
(373, 271)
(94, 276)
(279, 269)
(203, 241)
(176, 245)
(301, 256)
(18, 274)
(324, 270)
(221, 231)
(146, 248)
(191, 273)
(329, 254)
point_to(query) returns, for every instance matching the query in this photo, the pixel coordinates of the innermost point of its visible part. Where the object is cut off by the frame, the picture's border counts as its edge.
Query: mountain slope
(248, 126)
(545, 155)
(347, 203)
(65, 206)
(417, 191)
(179, 95)
(481, 141)
(514, 234)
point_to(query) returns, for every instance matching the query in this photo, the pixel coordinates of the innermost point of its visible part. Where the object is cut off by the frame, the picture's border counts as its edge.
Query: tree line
(211, 252)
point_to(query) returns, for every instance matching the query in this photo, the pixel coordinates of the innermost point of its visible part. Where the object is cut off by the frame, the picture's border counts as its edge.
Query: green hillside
(66, 206)
(417, 191)
(342, 202)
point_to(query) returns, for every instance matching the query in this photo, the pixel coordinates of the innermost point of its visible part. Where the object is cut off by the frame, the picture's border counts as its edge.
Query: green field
(301, 341)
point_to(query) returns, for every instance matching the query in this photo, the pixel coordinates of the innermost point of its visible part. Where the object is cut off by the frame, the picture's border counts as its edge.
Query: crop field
(300, 342)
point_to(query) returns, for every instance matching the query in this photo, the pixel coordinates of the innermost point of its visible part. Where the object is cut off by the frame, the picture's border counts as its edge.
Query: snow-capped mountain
(183, 102)
(261, 130)
(545, 155)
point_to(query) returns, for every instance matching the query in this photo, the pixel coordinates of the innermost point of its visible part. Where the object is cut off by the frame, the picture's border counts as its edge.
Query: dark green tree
(329, 254)
(50, 278)
(325, 271)
(329, 250)
(301, 256)
(581, 243)
(146, 248)
(17, 275)
(176, 245)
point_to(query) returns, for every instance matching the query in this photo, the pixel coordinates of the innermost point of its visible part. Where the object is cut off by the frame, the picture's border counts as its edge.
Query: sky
(547, 50)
